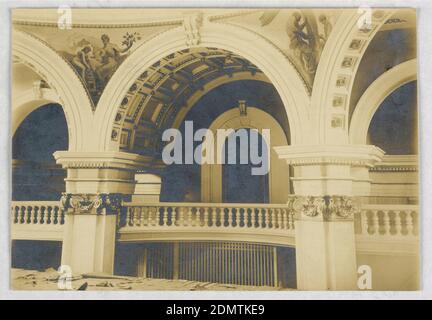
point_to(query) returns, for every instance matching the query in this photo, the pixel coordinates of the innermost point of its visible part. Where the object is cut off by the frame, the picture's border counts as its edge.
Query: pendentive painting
(214, 149)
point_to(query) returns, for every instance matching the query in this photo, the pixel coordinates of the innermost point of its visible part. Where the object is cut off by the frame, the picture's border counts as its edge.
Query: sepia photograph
(214, 149)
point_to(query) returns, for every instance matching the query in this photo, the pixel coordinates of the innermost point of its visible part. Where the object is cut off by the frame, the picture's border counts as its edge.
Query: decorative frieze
(323, 208)
(100, 203)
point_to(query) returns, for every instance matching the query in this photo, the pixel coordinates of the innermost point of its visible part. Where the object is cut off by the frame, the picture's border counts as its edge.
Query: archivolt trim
(375, 94)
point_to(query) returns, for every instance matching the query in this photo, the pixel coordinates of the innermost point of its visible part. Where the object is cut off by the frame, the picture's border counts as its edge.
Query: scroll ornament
(326, 207)
(91, 203)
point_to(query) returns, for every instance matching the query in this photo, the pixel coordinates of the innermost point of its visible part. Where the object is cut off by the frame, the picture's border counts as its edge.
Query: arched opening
(36, 177)
(182, 182)
(394, 125)
(239, 184)
(176, 91)
(35, 173)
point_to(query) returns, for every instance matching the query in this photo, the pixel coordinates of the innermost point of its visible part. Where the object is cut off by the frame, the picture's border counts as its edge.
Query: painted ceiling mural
(94, 53)
(300, 34)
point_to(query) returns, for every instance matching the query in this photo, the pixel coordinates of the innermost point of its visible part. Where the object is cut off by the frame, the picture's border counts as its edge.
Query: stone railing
(38, 220)
(387, 221)
(206, 220)
(37, 212)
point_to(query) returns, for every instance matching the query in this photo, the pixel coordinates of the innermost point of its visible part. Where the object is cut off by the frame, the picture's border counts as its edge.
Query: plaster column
(95, 186)
(325, 180)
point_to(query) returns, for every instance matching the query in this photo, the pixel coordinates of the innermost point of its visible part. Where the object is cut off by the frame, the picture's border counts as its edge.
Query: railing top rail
(392, 207)
(35, 203)
(205, 205)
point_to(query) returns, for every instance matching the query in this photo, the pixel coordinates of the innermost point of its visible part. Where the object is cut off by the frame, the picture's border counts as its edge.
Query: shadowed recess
(394, 126)
(182, 182)
(36, 175)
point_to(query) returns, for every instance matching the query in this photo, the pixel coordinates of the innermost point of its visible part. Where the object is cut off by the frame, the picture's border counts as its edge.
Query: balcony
(378, 228)
(266, 223)
(37, 220)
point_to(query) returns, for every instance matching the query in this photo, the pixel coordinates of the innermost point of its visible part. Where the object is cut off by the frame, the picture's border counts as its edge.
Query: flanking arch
(61, 78)
(375, 95)
(336, 71)
(213, 35)
(27, 102)
(211, 174)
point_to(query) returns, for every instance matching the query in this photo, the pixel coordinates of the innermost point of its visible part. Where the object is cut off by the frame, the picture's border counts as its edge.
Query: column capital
(102, 160)
(100, 203)
(101, 172)
(353, 155)
(324, 208)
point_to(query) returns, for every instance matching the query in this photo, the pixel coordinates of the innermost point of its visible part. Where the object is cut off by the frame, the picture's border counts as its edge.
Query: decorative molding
(100, 25)
(324, 208)
(305, 84)
(192, 24)
(102, 160)
(100, 203)
(354, 155)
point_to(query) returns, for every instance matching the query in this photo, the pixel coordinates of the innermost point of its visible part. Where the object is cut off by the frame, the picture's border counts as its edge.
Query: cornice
(176, 22)
(101, 160)
(354, 155)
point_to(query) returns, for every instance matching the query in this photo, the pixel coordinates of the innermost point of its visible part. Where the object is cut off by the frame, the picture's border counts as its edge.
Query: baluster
(230, 217)
(260, 218)
(291, 220)
(181, 216)
(283, 217)
(32, 214)
(21, 214)
(62, 216)
(386, 220)
(273, 218)
(128, 216)
(253, 217)
(29, 214)
(279, 218)
(398, 222)
(155, 216)
(206, 217)
(246, 219)
(41, 215)
(165, 216)
(189, 216)
(136, 216)
(375, 219)
(15, 213)
(56, 214)
(364, 223)
(50, 215)
(267, 217)
(409, 223)
(214, 216)
(238, 217)
(287, 219)
(195, 216)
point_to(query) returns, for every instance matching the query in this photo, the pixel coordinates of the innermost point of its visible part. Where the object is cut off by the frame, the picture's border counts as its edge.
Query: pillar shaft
(95, 186)
(325, 185)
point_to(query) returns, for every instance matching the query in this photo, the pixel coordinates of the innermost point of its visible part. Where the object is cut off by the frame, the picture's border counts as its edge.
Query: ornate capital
(100, 203)
(325, 208)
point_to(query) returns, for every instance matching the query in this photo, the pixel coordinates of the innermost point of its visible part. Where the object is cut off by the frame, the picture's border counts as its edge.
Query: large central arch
(214, 35)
